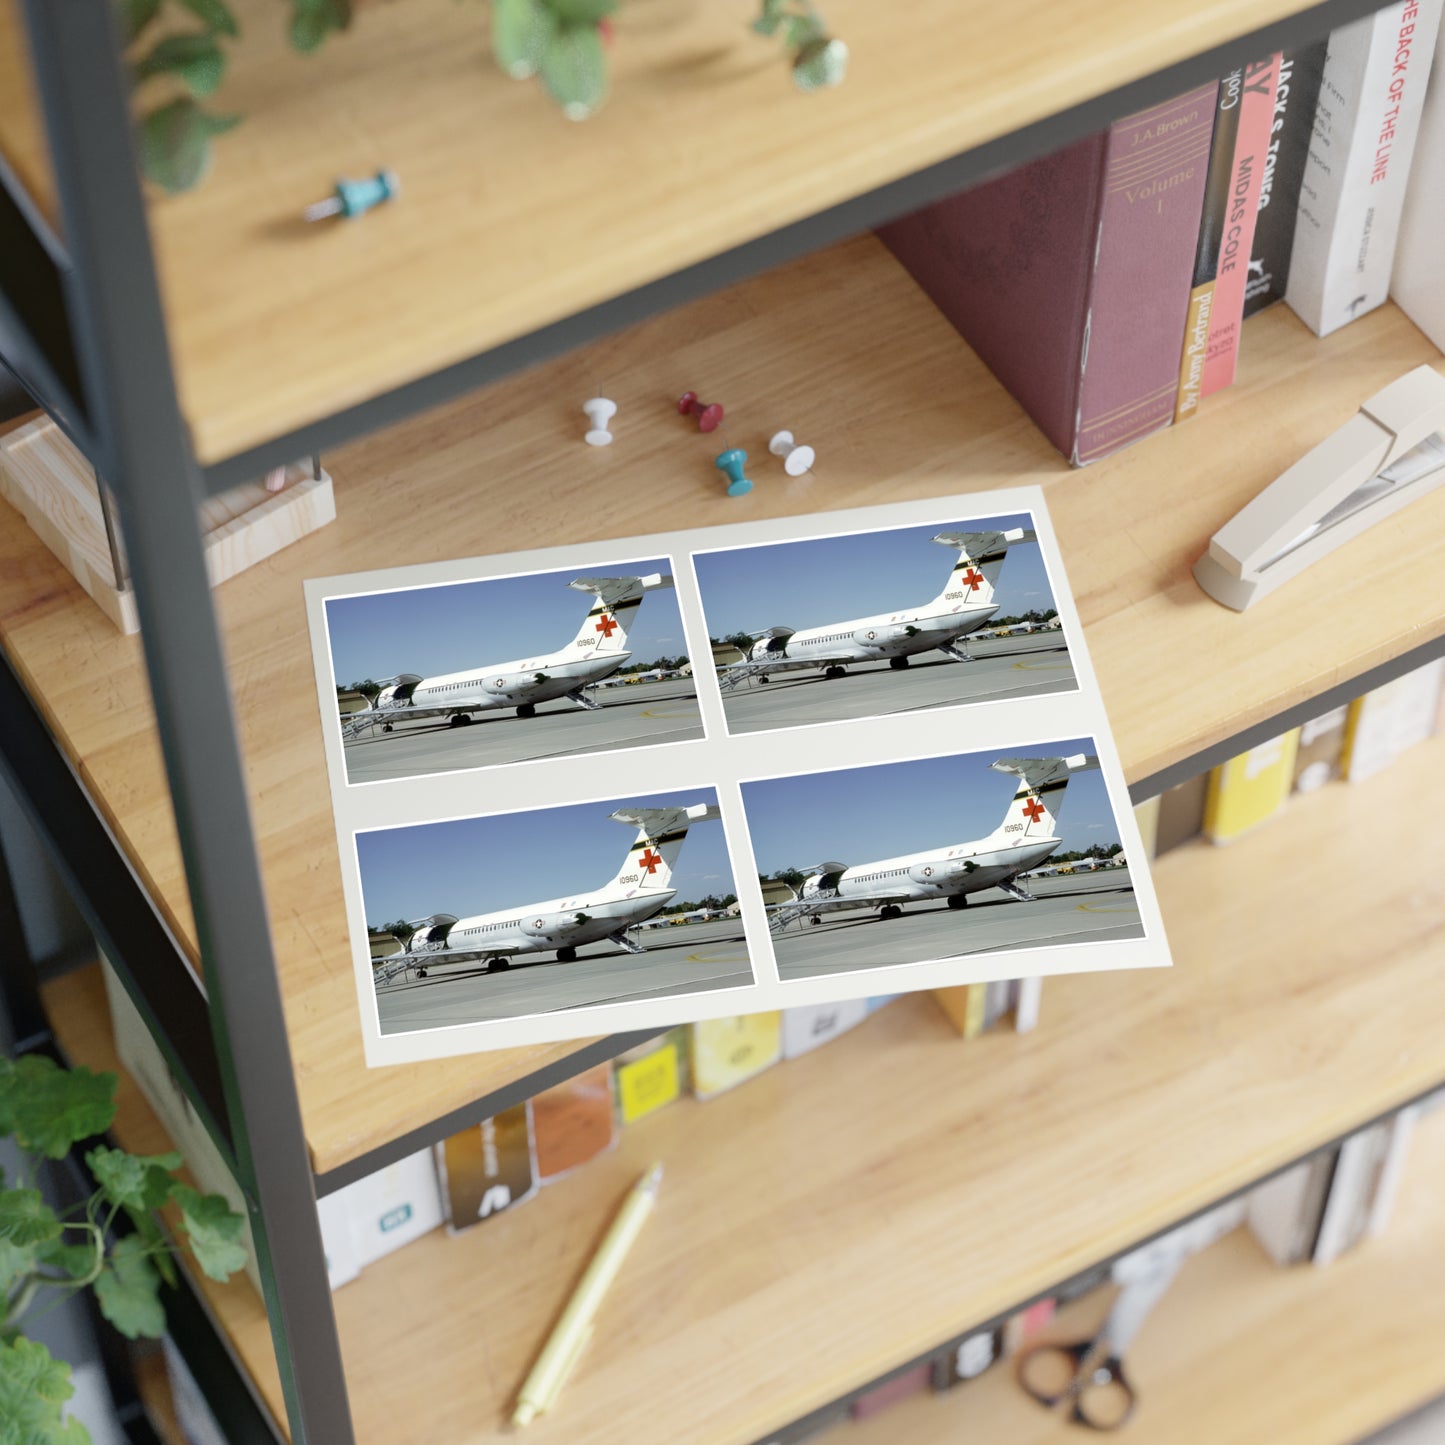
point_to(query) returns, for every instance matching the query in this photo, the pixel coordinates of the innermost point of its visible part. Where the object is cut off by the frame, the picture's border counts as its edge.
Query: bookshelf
(929, 420)
(1240, 1349)
(479, 272)
(1142, 1098)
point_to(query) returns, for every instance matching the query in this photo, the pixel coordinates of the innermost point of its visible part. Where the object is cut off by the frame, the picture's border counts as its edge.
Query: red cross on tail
(1033, 810)
(606, 625)
(650, 860)
(973, 579)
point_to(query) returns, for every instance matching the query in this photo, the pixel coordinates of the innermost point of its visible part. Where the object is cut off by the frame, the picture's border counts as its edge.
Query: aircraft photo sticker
(482, 673)
(939, 858)
(479, 919)
(789, 647)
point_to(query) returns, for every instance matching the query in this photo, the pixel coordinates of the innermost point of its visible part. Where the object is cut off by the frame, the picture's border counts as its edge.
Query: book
(1321, 748)
(651, 1075)
(1399, 1131)
(1291, 127)
(1283, 1214)
(1181, 814)
(965, 1006)
(810, 1025)
(488, 1168)
(1389, 719)
(1214, 209)
(1023, 1325)
(966, 1360)
(1146, 818)
(1050, 270)
(1352, 1184)
(890, 1392)
(1353, 189)
(1249, 789)
(1416, 282)
(1256, 110)
(394, 1206)
(1026, 1003)
(727, 1051)
(572, 1123)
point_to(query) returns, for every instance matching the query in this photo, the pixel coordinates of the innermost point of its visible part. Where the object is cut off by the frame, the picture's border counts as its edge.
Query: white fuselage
(891, 634)
(937, 873)
(555, 923)
(506, 684)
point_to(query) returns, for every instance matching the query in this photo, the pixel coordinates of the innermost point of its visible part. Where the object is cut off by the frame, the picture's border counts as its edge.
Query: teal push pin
(731, 461)
(355, 198)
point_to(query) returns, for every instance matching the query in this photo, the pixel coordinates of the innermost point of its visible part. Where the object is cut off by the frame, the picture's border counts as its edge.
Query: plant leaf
(820, 63)
(33, 1389)
(581, 12)
(803, 29)
(135, 15)
(195, 60)
(128, 1290)
(214, 1229)
(16, 1261)
(313, 20)
(135, 1181)
(521, 32)
(74, 1261)
(48, 1108)
(574, 70)
(215, 15)
(25, 1218)
(769, 17)
(175, 143)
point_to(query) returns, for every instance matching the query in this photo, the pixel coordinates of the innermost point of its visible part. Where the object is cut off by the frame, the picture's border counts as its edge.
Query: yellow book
(1249, 789)
(646, 1083)
(1146, 815)
(966, 1005)
(727, 1051)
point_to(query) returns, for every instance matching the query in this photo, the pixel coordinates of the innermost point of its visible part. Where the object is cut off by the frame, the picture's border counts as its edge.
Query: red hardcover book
(1070, 275)
(1251, 150)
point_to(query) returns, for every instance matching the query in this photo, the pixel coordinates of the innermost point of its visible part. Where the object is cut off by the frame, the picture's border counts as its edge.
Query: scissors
(1089, 1374)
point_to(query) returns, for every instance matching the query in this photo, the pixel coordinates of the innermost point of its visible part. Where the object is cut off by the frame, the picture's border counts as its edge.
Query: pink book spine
(1144, 245)
(1251, 145)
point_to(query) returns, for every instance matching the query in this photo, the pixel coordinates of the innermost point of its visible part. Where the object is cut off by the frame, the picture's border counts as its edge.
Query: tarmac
(1030, 665)
(1077, 908)
(686, 958)
(632, 715)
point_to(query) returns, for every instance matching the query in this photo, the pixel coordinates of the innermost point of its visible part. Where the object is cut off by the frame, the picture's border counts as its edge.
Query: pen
(572, 1331)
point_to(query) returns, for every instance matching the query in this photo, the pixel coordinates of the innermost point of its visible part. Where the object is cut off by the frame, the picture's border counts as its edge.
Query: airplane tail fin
(605, 627)
(980, 559)
(660, 834)
(1040, 793)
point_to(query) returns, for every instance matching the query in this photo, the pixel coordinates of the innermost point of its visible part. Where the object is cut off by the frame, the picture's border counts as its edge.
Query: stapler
(1390, 452)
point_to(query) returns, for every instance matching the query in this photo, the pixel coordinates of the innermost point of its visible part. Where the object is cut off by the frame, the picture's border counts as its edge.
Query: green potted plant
(46, 1256)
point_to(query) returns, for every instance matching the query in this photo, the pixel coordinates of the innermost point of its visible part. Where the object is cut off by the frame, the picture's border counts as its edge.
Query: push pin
(796, 459)
(731, 461)
(355, 198)
(709, 416)
(599, 411)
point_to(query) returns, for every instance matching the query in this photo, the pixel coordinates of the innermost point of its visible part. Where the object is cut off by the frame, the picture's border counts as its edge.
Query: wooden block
(44, 476)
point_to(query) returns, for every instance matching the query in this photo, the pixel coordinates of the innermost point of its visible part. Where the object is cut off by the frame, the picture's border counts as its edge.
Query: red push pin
(709, 417)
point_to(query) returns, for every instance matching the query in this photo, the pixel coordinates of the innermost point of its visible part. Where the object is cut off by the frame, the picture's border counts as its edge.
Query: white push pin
(599, 411)
(796, 459)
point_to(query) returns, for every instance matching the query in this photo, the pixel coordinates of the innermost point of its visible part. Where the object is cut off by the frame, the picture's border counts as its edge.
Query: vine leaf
(213, 14)
(15, 1263)
(820, 63)
(135, 15)
(313, 20)
(175, 143)
(574, 70)
(522, 30)
(74, 1261)
(25, 1218)
(48, 1108)
(214, 1229)
(128, 1290)
(195, 60)
(582, 12)
(133, 1181)
(33, 1389)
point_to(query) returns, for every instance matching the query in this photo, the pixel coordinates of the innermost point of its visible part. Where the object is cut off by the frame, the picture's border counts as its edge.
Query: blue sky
(830, 579)
(475, 865)
(431, 630)
(855, 815)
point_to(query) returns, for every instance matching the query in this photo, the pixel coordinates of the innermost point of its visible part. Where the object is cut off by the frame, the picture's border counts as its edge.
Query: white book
(1351, 1187)
(1026, 1005)
(1284, 1213)
(1418, 285)
(1359, 161)
(1392, 1167)
(1391, 718)
(809, 1025)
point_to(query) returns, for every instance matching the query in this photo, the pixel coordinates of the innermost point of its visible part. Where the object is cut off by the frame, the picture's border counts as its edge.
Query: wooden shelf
(1242, 1350)
(912, 1182)
(899, 408)
(512, 217)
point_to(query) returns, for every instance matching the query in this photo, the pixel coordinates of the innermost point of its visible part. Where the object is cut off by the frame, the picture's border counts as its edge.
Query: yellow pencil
(572, 1331)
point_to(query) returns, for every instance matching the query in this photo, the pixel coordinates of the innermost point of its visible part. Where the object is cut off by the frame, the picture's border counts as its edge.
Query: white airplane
(598, 650)
(963, 606)
(1021, 841)
(640, 889)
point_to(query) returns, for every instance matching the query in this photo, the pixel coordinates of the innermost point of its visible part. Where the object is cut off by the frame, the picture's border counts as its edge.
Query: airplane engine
(555, 927)
(880, 637)
(930, 873)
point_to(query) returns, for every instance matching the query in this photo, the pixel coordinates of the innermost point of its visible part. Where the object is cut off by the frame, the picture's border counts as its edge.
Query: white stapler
(1386, 455)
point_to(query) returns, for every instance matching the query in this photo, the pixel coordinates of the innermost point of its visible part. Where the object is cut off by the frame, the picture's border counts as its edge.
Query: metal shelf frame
(82, 328)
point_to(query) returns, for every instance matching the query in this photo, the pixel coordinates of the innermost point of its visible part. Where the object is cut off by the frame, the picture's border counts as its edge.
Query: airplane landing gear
(958, 900)
(386, 727)
(898, 663)
(835, 672)
(460, 720)
(526, 709)
(816, 919)
(498, 965)
(421, 973)
(764, 678)
(890, 910)
(566, 955)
